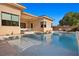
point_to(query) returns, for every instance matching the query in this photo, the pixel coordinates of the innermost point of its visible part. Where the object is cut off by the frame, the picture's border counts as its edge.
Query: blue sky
(54, 10)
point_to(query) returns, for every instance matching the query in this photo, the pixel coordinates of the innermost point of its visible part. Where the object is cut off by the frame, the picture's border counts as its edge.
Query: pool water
(55, 44)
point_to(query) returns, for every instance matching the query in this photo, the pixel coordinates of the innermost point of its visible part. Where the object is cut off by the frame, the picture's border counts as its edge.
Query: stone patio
(6, 49)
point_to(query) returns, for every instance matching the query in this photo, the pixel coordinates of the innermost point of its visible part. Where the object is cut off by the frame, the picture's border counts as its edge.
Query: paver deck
(6, 49)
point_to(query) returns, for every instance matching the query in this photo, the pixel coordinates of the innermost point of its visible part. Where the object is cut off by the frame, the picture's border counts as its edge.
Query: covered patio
(28, 22)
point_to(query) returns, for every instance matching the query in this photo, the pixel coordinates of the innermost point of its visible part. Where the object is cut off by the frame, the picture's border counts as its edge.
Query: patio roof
(28, 16)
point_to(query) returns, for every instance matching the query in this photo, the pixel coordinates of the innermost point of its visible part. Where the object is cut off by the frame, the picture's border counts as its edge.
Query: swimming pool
(55, 44)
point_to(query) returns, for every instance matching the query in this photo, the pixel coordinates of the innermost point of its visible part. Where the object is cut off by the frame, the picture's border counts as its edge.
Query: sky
(56, 11)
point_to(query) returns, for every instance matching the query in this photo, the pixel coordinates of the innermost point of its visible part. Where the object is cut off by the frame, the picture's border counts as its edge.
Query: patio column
(0, 19)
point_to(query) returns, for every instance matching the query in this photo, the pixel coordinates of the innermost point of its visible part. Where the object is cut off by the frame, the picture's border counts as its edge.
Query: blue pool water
(56, 44)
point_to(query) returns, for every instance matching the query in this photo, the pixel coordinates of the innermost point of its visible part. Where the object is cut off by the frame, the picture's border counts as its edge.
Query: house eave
(17, 5)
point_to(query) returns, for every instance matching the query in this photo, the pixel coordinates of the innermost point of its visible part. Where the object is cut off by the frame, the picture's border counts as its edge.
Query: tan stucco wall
(36, 23)
(48, 26)
(9, 29)
(4, 30)
(61, 28)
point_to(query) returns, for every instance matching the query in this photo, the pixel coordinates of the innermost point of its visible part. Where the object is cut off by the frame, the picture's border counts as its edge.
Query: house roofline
(46, 17)
(37, 16)
(17, 5)
(29, 14)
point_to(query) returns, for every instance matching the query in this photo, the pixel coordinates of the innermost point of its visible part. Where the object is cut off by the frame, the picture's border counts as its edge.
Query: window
(6, 22)
(14, 23)
(6, 16)
(9, 19)
(23, 25)
(31, 25)
(15, 20)
(43, 24)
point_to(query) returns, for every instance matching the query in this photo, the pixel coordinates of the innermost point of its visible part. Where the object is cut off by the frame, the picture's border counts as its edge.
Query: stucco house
(12, 20)
(36, 23)
(10, 14)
